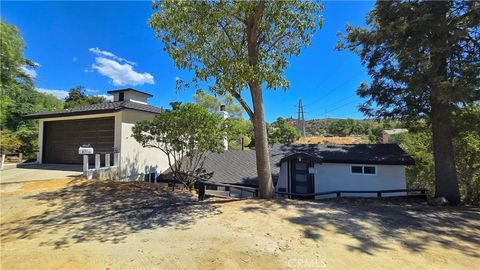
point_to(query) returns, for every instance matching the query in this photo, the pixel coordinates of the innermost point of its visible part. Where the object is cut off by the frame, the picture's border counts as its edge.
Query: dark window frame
(363, 170)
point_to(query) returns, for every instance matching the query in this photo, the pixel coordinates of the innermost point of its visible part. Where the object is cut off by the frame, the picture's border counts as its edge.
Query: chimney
(224, 114)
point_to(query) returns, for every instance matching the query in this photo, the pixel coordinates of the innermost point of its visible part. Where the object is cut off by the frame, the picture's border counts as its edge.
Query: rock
(439, 201)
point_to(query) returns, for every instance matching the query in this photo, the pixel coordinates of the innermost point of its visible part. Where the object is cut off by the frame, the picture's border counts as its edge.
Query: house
(316, 168)
(389, 132)
(107, 127)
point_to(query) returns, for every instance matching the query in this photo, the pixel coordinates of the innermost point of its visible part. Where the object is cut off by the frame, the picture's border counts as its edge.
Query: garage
(61, 139)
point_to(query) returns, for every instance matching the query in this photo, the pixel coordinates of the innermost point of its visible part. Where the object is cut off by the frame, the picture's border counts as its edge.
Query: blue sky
(106, 45)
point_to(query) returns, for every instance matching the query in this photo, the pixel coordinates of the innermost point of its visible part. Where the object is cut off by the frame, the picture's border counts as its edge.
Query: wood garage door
(61, 139)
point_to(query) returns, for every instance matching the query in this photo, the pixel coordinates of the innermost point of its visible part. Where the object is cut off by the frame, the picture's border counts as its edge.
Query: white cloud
(88, 90)
(61, 94)
(110, 55)
(74, 59)
(121, 74)
(30, 72)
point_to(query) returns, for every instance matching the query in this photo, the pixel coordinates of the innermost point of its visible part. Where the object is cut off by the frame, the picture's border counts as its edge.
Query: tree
(77, 97)
(423, 58)
(239, 133)
(212, 103)
(466, 141)
(14, 80)
(281, 131)
(233, 46)
(185, 134)
(18, 95)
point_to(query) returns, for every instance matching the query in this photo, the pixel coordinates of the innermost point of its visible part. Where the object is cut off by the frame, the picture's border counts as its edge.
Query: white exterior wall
(282, 181)
(338, 176)
(132, 96)
(136, 160)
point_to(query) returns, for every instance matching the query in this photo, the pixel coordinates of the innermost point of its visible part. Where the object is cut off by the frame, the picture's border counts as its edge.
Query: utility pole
(301, 118)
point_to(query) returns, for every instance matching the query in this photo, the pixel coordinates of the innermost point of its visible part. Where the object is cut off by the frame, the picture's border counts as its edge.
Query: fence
(202, 185)
(99, 172)
(413, 192)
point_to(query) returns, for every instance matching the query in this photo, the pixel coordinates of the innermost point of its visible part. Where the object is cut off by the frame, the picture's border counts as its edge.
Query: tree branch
(242, 102)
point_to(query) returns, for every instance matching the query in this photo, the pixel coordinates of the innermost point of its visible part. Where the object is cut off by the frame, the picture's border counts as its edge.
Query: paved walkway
(35, 172)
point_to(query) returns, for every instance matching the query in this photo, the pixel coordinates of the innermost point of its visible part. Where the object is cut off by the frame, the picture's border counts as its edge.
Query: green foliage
(282, 131)
(210, 39)
(371, 129)
(419, 146)
(467, 152)
(238, 129)
(9, 143)
(397, 48)
(186, 133)
(212, 103)
(18, 95)
(424, 60)
(77, 98)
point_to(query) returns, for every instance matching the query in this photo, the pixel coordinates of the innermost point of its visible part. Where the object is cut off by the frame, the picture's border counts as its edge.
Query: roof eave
(66, 114)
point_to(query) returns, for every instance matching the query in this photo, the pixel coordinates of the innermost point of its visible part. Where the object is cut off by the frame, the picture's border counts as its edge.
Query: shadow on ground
(107, 211)
(375, 223)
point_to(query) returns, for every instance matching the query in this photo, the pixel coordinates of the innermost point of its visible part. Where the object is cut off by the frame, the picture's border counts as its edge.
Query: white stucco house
(107, 127)
(317, 168)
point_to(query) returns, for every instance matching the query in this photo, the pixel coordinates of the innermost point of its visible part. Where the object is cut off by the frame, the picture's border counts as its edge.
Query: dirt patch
(112, 225)
(37, 185)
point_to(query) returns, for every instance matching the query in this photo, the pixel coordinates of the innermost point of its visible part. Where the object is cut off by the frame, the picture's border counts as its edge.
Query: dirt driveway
(75, 224)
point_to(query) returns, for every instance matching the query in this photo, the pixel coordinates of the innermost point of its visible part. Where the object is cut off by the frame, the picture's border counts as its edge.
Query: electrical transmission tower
(301, 118)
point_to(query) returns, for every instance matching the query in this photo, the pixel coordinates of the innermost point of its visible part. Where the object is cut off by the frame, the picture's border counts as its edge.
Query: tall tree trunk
(265, 183)
(264, 173)
(446, 182)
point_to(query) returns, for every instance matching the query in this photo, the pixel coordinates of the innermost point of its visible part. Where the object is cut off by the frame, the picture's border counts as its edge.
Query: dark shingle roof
(239, 167)
(98, 108)
(386, 154)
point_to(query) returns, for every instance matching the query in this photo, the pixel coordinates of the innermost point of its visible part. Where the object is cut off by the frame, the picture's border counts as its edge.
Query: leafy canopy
(210, 39)
(212, 103)
(397, 48)
(186, 133)
(18, 96)
(77, 97)
(282, 131)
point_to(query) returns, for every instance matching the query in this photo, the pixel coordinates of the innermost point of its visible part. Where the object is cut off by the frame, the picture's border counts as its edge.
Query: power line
(343, 105)
(335, 88)
(331, 72)
(336, 102)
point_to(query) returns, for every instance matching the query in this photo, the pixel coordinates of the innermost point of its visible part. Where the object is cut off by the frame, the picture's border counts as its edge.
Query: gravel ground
(78, 224)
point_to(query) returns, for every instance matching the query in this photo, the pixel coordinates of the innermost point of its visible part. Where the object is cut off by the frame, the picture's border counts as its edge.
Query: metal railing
(338, 193)
(201, 186)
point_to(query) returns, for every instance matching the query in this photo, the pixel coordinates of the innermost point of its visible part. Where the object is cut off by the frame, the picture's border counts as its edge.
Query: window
(363, 169)
(121, 96)
(357, 169)
(369, 170)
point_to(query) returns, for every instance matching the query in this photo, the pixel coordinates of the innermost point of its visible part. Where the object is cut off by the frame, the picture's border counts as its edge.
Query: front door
(301, 181)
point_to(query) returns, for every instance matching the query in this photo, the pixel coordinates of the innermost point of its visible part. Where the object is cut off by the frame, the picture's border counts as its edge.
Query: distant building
(389, 132)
